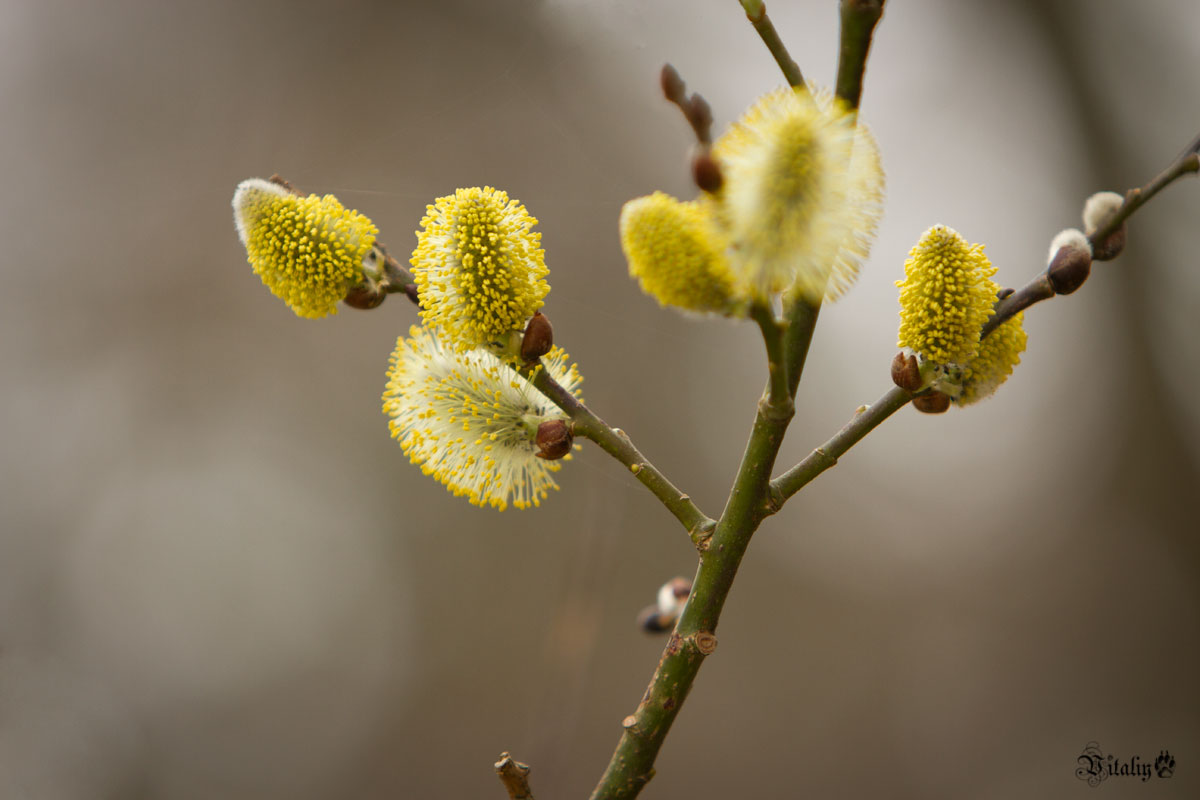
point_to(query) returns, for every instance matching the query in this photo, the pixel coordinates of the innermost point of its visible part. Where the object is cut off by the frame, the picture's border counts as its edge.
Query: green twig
(779, 396)
(828, 454)
(801, 321)
(616, 443)
(694, 638)
(756, 12)
(859, 18)
(750, 500)
(1039, 288)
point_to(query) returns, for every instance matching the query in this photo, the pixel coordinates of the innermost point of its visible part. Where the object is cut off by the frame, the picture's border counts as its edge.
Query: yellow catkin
(469, 421)
(676, 254)
(479, 267)
(307, 250)
(802, 195)
(998, 354)
(945, 298)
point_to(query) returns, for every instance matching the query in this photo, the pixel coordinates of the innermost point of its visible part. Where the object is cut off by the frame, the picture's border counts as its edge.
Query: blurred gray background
(219, 578)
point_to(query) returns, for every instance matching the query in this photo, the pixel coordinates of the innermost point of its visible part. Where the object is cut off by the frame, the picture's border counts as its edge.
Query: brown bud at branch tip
(706, 172)
(906, 374)
(554, 439)
(933, 403)
(672, 84)
(1069, 268)
(539, 338)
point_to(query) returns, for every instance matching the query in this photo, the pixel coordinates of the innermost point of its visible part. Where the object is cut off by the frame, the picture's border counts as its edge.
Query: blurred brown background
(219, 578)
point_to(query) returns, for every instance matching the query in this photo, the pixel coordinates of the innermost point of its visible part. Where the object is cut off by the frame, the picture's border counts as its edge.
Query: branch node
(705, 642)
(515, 777)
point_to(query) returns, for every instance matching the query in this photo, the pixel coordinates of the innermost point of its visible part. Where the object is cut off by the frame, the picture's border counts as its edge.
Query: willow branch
(779, 395)
(397, 279)
(827, 455)
(694, 638)
(617, 444)
(797, 336)
(1039, 288)
(1185, 163)
(515, 777)
(756, 12)
(751, 499)
(859, 18)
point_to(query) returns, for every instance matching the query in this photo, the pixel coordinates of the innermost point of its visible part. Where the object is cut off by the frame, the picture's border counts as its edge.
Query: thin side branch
(859, 18)
(1188, 162)
(397, 279)
(797, 336)
(827, 455)
(617, 444)
(515, 777)
(695, 109)
(779, 396)
(1038, 289)
(756, 12)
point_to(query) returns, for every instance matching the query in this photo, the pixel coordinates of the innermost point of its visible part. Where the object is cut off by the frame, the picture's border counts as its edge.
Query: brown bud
(539, 338)
(278, 180)
(1069, 268)
(651, 620)
(1110, 246)
(906, 374)
(554, 439)
(706, 172)
(680, 587)
(672, 84)
(410, 291)
(933, 403)
(364, 296)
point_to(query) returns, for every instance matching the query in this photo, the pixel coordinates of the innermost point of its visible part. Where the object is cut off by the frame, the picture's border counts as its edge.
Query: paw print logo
(1164, 765)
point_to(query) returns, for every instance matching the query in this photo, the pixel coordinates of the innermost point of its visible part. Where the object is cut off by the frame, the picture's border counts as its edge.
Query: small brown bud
(554, 439)
(933, 403)
(706, 642)
(410, 291)
(1069, 268)
(651, 620)
(906, 374)
(1110, 246)
(279, 180)
(539, 338)
(672, 84)
(706, 172)
(364, 296)
(680, 587)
